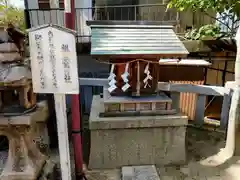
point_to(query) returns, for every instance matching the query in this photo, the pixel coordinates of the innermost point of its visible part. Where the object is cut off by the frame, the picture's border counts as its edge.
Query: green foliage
(205, 5)
(205, 32)
(218, 6)
(10, 14)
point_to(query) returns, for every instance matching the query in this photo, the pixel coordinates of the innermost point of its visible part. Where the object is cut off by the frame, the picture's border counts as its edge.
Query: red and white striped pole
(75, 107)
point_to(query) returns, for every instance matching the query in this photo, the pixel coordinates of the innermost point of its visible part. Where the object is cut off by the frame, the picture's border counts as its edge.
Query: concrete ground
(204, 161)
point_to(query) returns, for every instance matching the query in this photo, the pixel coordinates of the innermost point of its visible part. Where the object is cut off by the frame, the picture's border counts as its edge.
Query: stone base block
(25, 160)
(143, 140)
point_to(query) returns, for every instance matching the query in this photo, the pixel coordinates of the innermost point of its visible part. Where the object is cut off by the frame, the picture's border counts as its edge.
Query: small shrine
(135, 53)
(134, 123)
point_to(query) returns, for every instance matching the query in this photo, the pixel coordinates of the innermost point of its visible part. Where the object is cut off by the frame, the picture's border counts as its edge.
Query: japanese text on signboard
(66, 63)
(52, 59)
(38, 39)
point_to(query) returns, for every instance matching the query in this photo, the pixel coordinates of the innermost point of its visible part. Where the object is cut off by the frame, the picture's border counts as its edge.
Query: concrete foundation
(143, 140)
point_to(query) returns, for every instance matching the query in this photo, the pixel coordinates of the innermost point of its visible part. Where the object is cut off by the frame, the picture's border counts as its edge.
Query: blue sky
(18, 3)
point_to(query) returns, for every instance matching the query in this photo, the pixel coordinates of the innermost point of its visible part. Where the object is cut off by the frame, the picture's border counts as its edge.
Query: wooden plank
(62, 126)
(191, 88)
(169, 106)
(138, 107)
(154, 106)
(200, 109)
(122, 107)
(140, 173)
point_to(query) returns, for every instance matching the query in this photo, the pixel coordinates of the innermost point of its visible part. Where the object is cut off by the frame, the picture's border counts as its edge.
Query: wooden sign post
(54, 70)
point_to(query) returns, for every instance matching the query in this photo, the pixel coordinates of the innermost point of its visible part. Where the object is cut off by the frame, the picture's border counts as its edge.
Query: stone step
(140, 173)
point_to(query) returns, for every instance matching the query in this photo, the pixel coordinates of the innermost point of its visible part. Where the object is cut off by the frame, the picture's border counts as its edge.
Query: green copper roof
(135, 39)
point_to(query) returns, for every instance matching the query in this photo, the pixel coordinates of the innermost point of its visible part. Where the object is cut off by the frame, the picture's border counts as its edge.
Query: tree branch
(217, 19)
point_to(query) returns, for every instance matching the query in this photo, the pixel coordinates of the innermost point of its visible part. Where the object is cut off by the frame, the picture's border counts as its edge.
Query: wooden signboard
(54, 70)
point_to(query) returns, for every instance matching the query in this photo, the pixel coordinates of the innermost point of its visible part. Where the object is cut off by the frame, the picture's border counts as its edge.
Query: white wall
(40, 17)
(32, 4)
(83, 15)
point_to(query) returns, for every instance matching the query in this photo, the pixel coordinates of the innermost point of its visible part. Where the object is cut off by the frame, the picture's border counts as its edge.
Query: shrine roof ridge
(132, 24)
(54, 26)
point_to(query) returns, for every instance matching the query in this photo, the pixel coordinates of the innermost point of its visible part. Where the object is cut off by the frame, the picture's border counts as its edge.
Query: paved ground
(203, 162)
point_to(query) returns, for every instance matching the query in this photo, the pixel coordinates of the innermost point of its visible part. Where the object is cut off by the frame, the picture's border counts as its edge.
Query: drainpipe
(75, 107)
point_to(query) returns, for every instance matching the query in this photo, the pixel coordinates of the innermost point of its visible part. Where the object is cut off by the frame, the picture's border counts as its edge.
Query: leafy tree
(11, 14)
(227, 9)
(205, 32)
(4, 2)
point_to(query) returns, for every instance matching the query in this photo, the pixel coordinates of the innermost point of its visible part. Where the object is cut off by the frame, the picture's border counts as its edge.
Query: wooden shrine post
(54, 70)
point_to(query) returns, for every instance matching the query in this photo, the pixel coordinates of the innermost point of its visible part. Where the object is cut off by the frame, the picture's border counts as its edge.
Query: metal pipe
(69, 15)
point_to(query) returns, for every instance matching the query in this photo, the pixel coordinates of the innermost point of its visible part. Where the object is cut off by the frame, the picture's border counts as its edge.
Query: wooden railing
(202, 92)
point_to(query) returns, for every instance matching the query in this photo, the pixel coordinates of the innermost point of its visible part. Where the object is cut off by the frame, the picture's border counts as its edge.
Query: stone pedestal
(158, 104)
(25, 160)
(142, 140)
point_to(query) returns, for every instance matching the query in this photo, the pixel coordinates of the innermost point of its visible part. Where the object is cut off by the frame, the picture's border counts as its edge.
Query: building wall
(38, 16)
(184, 19)
(152, 10)
(220, 72)
(32, 4)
